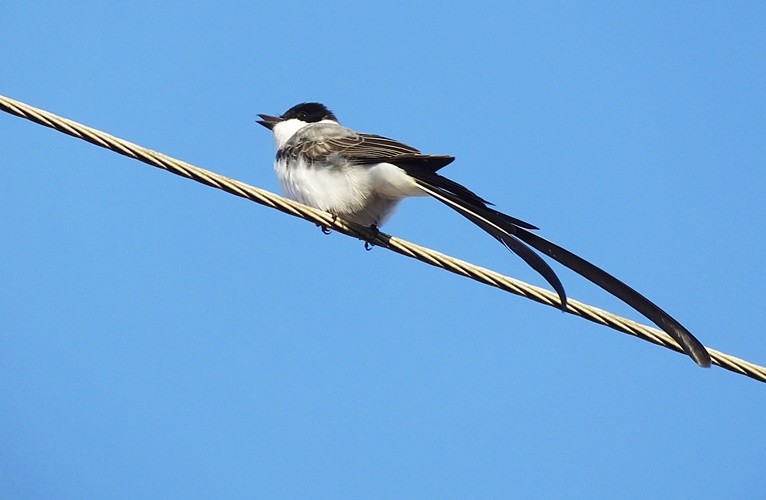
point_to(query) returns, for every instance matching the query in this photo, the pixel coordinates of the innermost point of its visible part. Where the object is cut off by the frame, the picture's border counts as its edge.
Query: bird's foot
(369, 244)
(325, 229)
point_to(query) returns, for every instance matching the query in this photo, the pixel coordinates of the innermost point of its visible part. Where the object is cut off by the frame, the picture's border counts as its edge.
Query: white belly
(363, 194)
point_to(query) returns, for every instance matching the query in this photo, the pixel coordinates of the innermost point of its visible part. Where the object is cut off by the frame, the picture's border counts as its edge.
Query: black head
(310, 112)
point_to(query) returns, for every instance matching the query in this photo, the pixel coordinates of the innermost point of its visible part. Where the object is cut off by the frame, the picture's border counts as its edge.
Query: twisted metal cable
(397, 245)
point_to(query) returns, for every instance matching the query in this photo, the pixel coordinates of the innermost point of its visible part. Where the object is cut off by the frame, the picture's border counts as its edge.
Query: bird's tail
(497, 224)
(515, 234)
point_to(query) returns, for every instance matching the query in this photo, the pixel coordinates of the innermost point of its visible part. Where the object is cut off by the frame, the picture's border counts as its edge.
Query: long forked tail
(515, 235)
(627, 294)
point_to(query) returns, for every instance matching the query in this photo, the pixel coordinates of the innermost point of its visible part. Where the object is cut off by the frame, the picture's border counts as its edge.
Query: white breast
(363, 194)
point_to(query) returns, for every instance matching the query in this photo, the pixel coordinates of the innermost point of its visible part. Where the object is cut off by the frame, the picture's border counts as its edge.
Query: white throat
(284, 130)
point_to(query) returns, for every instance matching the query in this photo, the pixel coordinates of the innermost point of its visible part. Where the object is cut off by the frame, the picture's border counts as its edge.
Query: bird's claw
(369, 244)
(325, 229)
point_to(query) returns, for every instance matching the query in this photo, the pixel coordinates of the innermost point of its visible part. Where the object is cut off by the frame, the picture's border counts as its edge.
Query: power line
(380, 239)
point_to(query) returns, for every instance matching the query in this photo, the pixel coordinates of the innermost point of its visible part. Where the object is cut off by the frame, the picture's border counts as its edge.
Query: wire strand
(397, 245)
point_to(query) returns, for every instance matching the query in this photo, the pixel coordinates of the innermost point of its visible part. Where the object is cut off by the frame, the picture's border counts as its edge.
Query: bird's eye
(302, 115)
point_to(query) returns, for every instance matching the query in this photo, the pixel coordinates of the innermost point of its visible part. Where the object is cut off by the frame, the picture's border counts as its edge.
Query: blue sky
(159, 338)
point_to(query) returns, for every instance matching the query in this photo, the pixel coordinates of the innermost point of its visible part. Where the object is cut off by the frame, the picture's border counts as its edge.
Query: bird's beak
(269, 121)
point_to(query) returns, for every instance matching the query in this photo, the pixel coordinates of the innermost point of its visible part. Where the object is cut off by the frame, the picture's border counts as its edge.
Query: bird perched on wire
(363, 177)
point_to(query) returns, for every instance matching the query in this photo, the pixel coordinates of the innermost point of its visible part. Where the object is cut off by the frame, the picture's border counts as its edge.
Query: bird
(362, 178)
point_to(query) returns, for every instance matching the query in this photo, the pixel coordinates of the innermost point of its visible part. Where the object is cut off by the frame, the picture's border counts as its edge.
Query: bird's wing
(365, 149)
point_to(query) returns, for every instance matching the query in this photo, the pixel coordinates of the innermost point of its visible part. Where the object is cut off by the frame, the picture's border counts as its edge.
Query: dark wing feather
(367, 148)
